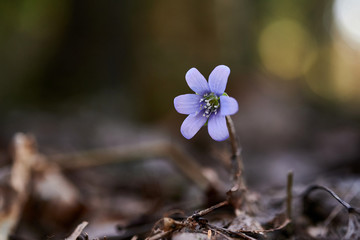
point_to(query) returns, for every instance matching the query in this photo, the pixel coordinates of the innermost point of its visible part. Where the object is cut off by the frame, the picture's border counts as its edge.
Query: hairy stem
(236, 159)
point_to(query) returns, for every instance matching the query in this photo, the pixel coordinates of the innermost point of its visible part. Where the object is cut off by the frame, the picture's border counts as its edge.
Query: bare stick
(348, 197)
(346, 205)
(155, 148)
(208, 210)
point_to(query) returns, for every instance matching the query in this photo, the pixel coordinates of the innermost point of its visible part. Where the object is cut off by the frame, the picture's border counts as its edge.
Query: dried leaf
(244, 222)
(190, 236)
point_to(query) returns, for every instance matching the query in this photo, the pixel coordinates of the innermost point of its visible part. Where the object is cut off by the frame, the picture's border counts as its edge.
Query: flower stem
(236, 159)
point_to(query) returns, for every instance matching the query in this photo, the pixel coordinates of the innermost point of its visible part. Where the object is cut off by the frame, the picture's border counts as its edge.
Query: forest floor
(156, 189)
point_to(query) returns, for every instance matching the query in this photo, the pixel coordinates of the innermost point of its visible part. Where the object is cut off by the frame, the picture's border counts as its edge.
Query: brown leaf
(244, 222)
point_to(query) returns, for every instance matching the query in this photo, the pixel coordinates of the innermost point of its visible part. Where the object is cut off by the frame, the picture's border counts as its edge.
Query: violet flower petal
(217, 127)
(218, 79)
(228, 105)
(192, 124)
(187, 103)
(197, 81)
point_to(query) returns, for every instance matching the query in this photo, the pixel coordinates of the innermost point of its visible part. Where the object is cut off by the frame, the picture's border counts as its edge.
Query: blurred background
(87, 74)
(83, 74)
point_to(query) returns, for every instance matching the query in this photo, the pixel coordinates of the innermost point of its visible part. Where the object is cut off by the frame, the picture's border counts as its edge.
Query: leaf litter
(42, 189)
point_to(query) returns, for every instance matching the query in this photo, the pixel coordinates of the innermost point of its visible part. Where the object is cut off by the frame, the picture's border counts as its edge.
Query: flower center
(209, 102)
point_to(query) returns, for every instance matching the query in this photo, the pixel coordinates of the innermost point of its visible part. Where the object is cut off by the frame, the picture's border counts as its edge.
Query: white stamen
(209, 104)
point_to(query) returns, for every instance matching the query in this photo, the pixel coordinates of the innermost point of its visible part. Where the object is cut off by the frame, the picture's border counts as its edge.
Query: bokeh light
(339, 63)
(286, 48)
(347, 20)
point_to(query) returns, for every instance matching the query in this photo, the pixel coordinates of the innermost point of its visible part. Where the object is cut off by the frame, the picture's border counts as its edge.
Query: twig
(346, 205)
(229, 233)
(349, 196)
(208, 210)
(353, 213)
(190, 167)
(196, 221)
(290, 178)
(155, 148)
(78, 230)
(170, 225)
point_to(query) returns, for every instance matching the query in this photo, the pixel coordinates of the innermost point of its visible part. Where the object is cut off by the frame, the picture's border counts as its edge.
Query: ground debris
(39, 182)
(24, 158)
(32, 175)
(78, 230)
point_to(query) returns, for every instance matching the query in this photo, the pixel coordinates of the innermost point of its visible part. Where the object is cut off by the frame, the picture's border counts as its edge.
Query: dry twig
(346, 205)
(353, 230)
(155, 148)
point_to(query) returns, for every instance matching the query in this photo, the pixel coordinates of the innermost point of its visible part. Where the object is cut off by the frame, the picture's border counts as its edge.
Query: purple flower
(209, 105)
